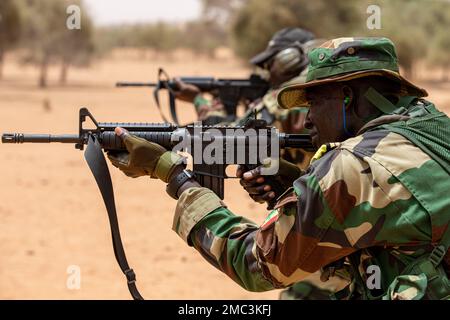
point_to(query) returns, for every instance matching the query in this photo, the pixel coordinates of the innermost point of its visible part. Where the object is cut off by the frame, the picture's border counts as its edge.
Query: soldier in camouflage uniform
(374, 200)
(284, 61)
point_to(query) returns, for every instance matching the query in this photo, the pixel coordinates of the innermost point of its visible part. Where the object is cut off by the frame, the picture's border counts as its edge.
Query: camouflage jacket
(351, 200)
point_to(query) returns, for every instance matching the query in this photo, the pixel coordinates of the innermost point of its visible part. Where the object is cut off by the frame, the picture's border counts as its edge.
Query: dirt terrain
(51, 213)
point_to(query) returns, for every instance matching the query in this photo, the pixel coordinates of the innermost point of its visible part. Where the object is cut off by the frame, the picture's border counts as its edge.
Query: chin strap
(384, 105)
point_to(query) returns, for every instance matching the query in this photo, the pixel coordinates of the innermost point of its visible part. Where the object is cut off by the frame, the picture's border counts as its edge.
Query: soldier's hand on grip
(185, 91)
(266, 188)
(144, 158)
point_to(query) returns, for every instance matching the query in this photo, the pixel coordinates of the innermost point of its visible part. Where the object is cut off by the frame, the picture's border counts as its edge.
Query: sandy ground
(51, 213)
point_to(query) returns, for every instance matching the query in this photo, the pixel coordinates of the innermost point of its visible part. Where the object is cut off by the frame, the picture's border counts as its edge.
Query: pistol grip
(275, 185)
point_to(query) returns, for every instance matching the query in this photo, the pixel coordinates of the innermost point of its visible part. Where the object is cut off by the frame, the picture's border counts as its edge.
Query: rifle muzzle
(39, 138)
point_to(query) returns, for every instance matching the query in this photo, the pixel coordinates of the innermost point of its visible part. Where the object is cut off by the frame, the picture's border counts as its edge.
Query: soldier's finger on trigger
(252, 173)
(249, 183)
(259, 190)
(239, 171)
(268, 196)
(261, 198)
(257, 199)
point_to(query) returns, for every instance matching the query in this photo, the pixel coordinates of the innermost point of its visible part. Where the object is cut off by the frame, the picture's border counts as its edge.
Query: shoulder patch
(271, 218)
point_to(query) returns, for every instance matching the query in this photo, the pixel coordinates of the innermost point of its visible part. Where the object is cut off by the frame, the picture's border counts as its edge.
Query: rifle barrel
(135, 84)
(39, 138)
(296, 140)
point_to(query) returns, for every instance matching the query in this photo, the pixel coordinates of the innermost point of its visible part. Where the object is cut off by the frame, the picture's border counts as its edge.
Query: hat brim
(262, 57)
(294, 95)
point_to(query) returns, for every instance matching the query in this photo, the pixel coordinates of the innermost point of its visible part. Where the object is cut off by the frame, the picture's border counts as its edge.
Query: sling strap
(97, 163)
(439, 251)
(384, 105)
(164, 84)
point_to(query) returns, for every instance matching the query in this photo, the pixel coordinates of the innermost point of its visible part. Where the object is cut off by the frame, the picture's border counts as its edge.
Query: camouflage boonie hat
(345, 59)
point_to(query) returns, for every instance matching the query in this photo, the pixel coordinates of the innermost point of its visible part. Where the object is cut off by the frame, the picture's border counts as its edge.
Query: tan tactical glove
(144, 158)
(267, 188)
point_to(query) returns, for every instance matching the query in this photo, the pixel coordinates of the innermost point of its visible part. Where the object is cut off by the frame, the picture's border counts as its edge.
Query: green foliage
(441, 45)
(10, 27)
(76, 47)
(10, 24)
(47, 39)
(417, 27)
(159, 36)
(202, 36)
(257, 21)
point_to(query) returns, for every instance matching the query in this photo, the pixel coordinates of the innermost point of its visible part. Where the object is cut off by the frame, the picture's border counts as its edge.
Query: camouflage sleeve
(343, 203)
(274, 255)
(208, 108)
(259, 258)
(225, 240)
(201, 104)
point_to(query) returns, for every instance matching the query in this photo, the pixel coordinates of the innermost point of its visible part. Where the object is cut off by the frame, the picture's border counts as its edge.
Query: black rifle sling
(156, 97)
(164, 84)
(173, 108)
(97, 163)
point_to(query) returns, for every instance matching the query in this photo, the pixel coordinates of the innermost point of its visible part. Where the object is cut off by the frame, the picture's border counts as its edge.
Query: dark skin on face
(325, 118)
(325, 115)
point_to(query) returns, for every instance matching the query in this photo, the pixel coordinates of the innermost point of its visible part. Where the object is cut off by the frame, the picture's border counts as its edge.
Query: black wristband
(176, 182)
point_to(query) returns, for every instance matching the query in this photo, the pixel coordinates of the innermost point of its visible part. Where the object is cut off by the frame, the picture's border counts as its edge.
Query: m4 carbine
(229, 91)
(244, 143)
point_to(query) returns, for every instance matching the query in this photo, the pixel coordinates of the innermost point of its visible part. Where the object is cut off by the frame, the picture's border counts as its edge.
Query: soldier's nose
(308, 123)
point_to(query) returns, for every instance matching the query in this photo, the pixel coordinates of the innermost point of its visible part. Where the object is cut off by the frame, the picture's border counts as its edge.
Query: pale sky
(106, 12)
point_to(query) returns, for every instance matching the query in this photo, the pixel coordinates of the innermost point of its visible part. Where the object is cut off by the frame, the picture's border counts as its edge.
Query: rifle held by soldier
(226, 145)
(230, 91)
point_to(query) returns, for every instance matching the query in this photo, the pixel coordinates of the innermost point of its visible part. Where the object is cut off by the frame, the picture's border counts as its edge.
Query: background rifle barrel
(135, 84)
(39, 138)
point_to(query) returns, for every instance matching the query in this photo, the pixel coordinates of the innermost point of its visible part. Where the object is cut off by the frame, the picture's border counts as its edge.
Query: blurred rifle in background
(231, 92)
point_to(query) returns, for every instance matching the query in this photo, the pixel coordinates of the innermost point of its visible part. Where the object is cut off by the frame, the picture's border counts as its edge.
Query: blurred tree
(440, 53)
(256, 21)
(417, 27)
(221, 11)
(10, 24)
(48, 40)
(76, 46)
(403, 23)
(204, 36)
(212, 29)
(161, 36)
(436, 27)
